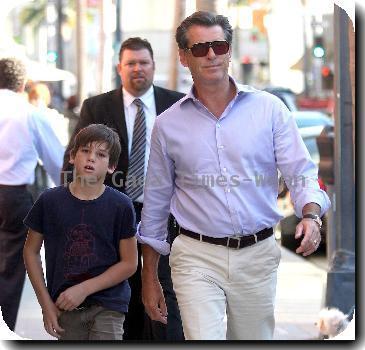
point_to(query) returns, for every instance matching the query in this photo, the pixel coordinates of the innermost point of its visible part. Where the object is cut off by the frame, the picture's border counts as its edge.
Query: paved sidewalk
(300, 294)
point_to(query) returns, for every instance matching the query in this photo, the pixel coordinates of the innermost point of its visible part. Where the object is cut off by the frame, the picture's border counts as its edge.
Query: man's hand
(312, 236)
(153, 299)
(72, 297)
(50, 320)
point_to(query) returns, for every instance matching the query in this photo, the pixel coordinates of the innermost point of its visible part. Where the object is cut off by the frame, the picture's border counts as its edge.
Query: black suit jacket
(108, 109)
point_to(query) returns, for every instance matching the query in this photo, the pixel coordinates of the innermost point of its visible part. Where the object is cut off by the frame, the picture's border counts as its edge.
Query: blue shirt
(219, 177)
(81, 240)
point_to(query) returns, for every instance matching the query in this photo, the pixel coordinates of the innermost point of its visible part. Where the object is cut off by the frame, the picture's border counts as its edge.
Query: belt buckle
(238, 239)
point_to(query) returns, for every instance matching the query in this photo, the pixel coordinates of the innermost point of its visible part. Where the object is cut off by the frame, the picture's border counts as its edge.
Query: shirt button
(221, 147)
(228, 190)
(218, 125)
(224, 169)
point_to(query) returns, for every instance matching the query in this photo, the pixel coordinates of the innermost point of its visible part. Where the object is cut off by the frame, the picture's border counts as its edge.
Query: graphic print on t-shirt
(80, 251)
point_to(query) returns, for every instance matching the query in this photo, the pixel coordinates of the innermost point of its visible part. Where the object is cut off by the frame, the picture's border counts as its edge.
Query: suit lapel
(116, 112)
(160, 100)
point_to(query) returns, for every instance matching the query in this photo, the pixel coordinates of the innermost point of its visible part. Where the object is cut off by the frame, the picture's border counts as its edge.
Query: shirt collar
(240, 88)
(146, 98)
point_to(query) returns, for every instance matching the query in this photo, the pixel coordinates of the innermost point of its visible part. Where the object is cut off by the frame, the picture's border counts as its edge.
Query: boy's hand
(72, 297)
(50, 320)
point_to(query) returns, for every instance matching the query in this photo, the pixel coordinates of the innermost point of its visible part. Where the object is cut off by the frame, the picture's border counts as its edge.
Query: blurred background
(303, 51)
(73, 45)
(300, 50)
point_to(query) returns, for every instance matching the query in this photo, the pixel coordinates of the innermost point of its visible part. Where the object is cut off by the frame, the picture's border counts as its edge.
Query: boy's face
(92, 162)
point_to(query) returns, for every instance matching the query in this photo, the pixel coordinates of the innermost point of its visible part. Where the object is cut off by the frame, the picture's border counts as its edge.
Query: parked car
(310, 124)
(286, 95)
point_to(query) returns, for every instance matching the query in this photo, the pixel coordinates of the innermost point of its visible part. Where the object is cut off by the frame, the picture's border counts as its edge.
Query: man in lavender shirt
(214, 162)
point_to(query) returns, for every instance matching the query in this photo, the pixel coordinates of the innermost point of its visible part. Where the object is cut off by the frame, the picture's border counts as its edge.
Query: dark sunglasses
(220, 47)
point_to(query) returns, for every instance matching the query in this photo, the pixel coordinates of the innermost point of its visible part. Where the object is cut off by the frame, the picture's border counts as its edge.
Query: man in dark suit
(133, 120)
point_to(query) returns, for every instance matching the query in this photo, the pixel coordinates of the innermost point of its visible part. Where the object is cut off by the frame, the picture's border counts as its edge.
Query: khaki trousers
(212, 281)
(91, 323)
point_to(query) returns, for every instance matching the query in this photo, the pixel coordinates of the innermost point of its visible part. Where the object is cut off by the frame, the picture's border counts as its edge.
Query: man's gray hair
(202, 18)
(12, 74)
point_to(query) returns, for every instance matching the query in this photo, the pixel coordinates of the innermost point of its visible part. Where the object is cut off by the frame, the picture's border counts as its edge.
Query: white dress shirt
(26, 135)
(130, 111)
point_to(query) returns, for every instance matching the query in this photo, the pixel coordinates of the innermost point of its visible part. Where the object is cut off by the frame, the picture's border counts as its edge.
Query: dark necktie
(135, 179)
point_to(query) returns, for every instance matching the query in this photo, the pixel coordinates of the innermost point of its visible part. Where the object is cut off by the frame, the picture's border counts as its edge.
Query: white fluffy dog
(332, 322)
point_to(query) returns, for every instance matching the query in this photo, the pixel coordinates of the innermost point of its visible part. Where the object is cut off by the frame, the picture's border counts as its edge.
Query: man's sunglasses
(220, 47)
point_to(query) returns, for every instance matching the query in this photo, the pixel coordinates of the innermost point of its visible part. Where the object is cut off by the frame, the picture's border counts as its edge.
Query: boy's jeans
(91, 323)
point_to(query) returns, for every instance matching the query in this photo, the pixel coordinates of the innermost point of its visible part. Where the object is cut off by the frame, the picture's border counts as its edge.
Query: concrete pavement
(300, 295)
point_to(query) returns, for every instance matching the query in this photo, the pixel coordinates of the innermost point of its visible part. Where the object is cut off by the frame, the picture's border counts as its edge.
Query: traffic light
(327, 78)
(52, 56)
(318, 47)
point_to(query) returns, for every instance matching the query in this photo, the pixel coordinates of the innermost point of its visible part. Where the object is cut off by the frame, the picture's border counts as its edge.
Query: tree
(174, 58)
(34, 14)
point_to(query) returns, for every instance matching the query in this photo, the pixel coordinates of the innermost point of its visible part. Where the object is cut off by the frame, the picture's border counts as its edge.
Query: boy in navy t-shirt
(88, 230)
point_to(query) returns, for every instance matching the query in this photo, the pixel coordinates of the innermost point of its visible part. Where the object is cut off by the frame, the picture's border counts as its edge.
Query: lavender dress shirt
(219, 177)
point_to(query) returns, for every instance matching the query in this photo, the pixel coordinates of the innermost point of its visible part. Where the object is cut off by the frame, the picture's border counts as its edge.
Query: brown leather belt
(231, 242)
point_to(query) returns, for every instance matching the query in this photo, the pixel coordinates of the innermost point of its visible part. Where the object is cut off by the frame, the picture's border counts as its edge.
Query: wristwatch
(315, 217)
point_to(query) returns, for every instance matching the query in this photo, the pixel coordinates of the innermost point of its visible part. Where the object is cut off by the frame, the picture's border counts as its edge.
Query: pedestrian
(25, 136)
(72, 113)
(206, 151)
(131, 110)
(88, 230)
(40, 96)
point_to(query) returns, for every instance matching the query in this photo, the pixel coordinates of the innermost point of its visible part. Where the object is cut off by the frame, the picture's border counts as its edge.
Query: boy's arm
(33, 264)
(126, 267)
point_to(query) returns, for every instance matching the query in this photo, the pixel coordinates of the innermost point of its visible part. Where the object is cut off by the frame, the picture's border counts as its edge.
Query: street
(300, 296)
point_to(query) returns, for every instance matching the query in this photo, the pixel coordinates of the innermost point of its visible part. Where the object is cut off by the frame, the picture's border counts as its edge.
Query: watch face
(318, 221)
(314, 217)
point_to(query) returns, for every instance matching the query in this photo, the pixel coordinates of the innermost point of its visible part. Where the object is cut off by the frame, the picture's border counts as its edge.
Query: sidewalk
(300, 294)
(299, 298)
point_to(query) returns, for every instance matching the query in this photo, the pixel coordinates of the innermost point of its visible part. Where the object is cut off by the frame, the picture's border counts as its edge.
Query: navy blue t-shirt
(81, 240)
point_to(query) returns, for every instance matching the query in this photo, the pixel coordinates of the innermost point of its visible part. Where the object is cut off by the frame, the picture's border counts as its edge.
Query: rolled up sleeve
(158, 192)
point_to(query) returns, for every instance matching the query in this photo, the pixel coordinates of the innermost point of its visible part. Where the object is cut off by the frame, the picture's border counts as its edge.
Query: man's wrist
(315, 217)
(149, 274)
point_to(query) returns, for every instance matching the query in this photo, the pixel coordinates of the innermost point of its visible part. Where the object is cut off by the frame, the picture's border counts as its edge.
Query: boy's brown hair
(98, 133)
